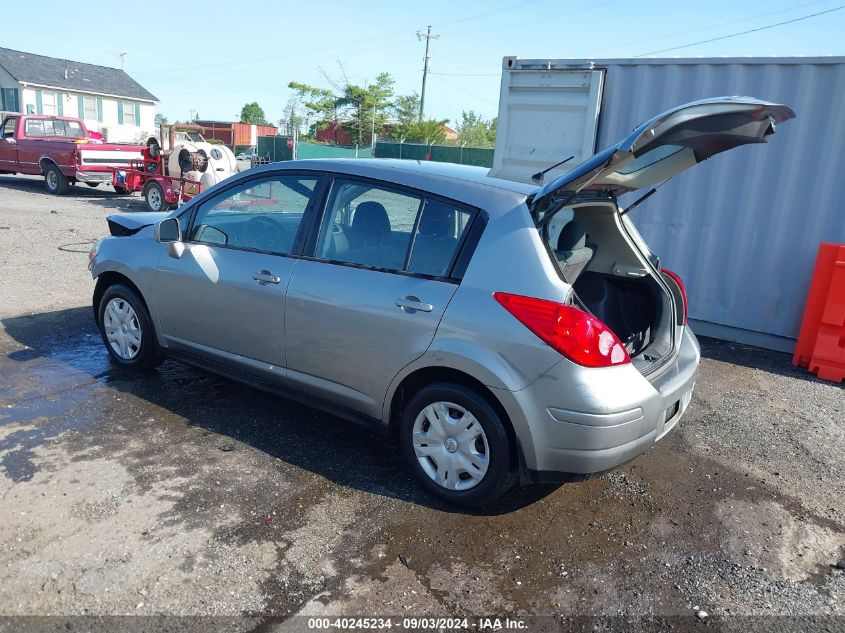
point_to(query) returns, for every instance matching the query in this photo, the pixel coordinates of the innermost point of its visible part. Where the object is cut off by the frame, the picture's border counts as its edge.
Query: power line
(761, 28)
(431, 72)
(702, 28)
(484, 15)
(467, 92)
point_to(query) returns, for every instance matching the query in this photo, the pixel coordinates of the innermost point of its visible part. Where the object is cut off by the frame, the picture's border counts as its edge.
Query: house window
(90, 108)
(129, 113)
(48, 103)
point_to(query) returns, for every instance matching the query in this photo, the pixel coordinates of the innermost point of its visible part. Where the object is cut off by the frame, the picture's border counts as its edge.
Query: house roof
(50, 71)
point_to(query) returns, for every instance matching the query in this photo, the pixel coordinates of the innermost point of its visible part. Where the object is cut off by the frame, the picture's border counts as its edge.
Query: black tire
(55, 181)
(93, 185)
(147, 355)
(121, 191)
(501, 471)
(153, 193)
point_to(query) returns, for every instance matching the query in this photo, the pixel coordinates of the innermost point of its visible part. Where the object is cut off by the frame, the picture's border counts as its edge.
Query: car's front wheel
(127, 329)
(457, 444)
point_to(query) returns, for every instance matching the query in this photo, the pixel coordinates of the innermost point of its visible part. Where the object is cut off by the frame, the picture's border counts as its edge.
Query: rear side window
(438, 234)
(373, 225)
(368, 225)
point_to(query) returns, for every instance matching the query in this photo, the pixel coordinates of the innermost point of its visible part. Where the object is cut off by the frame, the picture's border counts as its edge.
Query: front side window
(376, 226)
(9, 128)
(264, 214)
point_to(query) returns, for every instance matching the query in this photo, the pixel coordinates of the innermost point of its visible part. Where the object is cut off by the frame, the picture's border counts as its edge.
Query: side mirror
(168, 231)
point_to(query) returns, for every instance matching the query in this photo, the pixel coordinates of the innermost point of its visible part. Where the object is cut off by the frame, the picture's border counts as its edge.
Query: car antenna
(538, 177)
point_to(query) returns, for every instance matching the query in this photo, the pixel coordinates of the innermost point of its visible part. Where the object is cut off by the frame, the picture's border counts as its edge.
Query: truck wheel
(154, 195)
(56, 182)
(121, 191)
(93, 185)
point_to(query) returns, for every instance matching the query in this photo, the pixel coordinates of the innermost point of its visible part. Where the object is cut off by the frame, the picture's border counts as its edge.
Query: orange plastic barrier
(821, 341)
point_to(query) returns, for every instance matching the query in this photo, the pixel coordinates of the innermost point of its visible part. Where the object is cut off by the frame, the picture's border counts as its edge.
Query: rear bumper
(575, 420)
(94, 176)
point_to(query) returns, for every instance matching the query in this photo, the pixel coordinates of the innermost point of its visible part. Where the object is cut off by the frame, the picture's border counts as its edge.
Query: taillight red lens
(677, 279)
(580, 337)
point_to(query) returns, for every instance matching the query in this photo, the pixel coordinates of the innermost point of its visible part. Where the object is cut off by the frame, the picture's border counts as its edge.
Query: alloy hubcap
(451, 446)
(52, 180)
(123, 332)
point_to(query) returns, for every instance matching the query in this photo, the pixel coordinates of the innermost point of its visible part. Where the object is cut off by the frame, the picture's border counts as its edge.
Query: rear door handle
(264, 277)
(413, 304)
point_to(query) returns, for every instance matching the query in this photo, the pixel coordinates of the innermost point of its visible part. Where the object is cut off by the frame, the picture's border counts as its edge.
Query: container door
(546, 114)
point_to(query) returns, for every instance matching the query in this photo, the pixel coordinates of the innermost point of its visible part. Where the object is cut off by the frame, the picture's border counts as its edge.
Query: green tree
(406, 109)
(476, 131)
(426, 131)
(253, 113)
(160, 119)
(358, 108)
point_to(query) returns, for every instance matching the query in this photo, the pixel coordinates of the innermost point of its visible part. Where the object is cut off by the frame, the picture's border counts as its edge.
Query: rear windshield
(53, 128)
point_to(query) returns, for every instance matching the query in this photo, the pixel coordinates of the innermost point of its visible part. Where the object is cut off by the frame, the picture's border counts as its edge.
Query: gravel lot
(183, 493)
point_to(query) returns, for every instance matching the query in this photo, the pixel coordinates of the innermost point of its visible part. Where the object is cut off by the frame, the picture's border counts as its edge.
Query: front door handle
(264, 277)
(413, 304)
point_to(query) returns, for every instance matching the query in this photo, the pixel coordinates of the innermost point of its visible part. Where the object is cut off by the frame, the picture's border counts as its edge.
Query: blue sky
(227, 54)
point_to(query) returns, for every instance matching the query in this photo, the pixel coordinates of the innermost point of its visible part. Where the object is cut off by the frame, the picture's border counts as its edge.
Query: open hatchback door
(665, 146)
(599, 253)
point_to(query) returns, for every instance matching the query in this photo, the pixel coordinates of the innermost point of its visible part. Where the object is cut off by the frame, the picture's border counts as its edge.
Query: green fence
(312, 150)
(480, 156)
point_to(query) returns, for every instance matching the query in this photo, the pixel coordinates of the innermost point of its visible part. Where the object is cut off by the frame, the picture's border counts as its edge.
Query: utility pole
(428, 37)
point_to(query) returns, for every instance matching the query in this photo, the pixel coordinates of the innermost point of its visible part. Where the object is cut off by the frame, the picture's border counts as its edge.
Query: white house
(108, 99)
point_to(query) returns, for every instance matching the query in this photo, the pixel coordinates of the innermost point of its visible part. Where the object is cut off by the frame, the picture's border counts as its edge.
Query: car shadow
(321, 443)
(755, 358)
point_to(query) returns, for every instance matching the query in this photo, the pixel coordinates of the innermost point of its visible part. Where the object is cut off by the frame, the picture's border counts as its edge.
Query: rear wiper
(538, 177)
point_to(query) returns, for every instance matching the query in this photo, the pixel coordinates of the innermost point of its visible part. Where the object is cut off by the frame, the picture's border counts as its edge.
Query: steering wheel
(265, 233)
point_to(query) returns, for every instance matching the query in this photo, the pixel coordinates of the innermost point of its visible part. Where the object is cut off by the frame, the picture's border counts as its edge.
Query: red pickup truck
(62, 150)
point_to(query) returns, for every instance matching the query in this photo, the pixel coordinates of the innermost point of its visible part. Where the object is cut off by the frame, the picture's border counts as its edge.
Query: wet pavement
(179, 492)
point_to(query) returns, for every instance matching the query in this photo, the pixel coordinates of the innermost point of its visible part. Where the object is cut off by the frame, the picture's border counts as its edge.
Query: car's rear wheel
(127, 329)
(55, 181)
(457, 445)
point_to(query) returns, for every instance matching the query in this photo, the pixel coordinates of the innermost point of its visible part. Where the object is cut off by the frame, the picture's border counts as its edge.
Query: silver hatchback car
(504, 331)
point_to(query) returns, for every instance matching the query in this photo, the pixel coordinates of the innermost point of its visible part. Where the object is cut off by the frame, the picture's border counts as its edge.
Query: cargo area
(605, 261)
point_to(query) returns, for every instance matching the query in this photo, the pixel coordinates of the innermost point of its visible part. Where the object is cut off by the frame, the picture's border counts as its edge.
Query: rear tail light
(580, 337)
(680, 283)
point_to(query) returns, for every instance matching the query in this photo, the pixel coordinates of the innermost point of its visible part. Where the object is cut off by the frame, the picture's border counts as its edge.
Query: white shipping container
(743, 229)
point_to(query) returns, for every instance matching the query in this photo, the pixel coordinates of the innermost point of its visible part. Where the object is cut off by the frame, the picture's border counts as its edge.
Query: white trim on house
(28, 84)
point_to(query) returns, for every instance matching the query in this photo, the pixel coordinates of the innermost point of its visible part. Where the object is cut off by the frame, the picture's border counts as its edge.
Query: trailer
(160, 190)
(177, 168)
